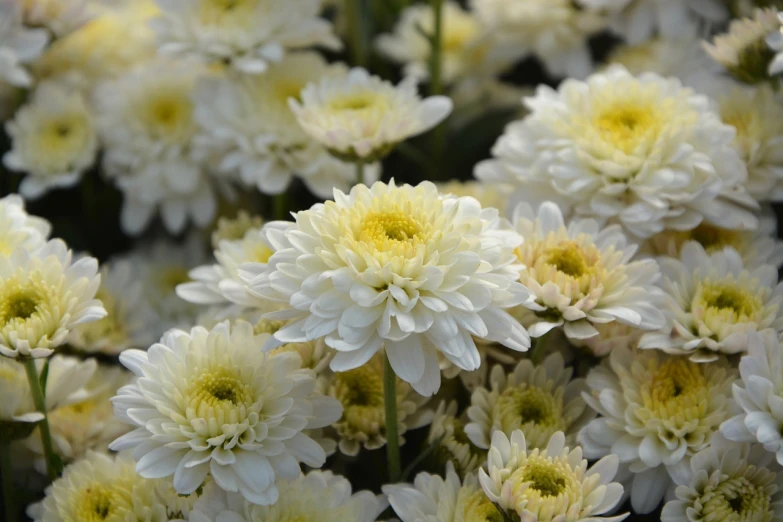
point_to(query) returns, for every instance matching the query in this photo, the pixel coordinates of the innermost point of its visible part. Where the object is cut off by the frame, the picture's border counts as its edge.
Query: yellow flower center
(357, 101)
(547, 487)
(260, 253)
(267, 326)
(545, 478)
(96, 503)
(227, 13)
(168, 116)
(537, 412)
(361, 393)
(737, 499)
(627, 124)
(396, 233)
(170, 277)
(569, 259)
(474, 506)
(21, 301)
(725, 303)
(220, 389)
(714, 239)
(288, 89)
(676, 384)
(61, 139)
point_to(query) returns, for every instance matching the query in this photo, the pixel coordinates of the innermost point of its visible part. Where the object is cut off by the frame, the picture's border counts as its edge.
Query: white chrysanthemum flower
(454, 447)
(162, 266)
(179, 507)
(552, 484)
(494, 195)
(43, 295)
(88, 423)
(755, 247)
(757, 115)
(638, 20)
(644, 151)
(18, 229)
(713, 302)
(99, 487)
(318, 496)
(759, 395)
(359, 116)
(19, 45)
(235, 228)
(556, 31)
(743, 51)
(248, 34)
(53, 140)
(400, 267)
(468, 47)
(539, 400)
(432, 498)
(220, 284)
(127, 323)
(146, 123)
(247, 123)
(363, 424)
(583, 275)
(657, 411)
(727, 482)
(59, 16)
(214, 402)
(105, 47)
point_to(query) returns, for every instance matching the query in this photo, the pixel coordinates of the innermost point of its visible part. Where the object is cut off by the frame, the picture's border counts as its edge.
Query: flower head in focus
(248, 34)
(44, 294)
(539, 400)
(318, 496)
(713, 303)
(221, 407)
(362, 117)
(363, 424)
(656, 412)
(400, 267)
(583, 275)
(19, 45)
(727, 482)
(643, 151)
(435, 498)
(551, 484)
(18, 229)
(743, 51)
(53, 138)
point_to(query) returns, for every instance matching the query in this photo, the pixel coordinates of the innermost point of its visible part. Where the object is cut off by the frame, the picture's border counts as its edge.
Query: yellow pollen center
(536, 411)
(289, 89)
(675, 385)
(220, 388)
(389, 227)
(169, 116)
(714, 238)
(357, 101)
(737, 499)
(730, 297)
(625, 124)
(360, 391)
(171, 277)
(19, 303)
(95, 504)
(568, 258)
(545, 478)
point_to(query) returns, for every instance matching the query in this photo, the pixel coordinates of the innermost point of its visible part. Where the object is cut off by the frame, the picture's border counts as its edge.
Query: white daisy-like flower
(53, 140)
(246, 122)
(552, 484)
(179, 507)
(234, 228)
(363, 424)
(212, 402)
(99, 487)
(220, 284)
(757, 115)
(318, 496)
(539, 400)
(432, 498)
(755, 247)
(19, 45)
(146, 123)
(129, 316)
(43, 295)
(657, 411)
(644, 151)
(18, 229)
(556, 31)
(400, 267)
(469, 48)
(359, 116)
(86, 423)
(713, 302)
(743, 51)
(758, 395)
(583, 275)
(454, 447)
(248, 34)
(727, 482)
(638, 20)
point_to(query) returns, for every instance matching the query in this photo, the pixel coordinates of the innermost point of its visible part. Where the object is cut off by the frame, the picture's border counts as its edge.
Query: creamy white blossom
(454, 447)
(18, 45)
(212, 402)
(583, 275)
(644, 151)
(550, 484)
(656, 412)
(248, 34)
(359, 116)
(318, 496)
(713, 302)
(400, 267)
(44, 294)
(53, 140)
(18, 229)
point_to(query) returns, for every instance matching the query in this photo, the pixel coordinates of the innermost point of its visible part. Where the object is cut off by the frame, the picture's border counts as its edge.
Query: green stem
(356, 28)
(359, 172)
(542, 346)
(281, 206)
(6, 475)
(392, 437)
(436, 82)
(43, 426)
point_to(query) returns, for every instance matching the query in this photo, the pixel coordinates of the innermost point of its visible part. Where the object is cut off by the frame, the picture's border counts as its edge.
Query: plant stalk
(436, 83)
(359, 51)
(40, 404)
